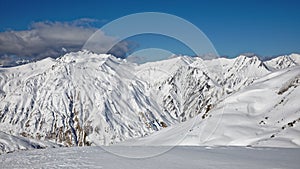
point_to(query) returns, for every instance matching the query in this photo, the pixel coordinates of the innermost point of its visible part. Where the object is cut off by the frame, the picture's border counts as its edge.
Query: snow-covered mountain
(265, 113)
(282, 62)
(79, 99)
(84, 98)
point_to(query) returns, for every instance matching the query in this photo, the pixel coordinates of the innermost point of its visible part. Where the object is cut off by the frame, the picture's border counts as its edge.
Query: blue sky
(266, 28)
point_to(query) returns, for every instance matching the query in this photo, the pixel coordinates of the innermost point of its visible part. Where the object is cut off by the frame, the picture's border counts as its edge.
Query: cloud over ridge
(52, 39)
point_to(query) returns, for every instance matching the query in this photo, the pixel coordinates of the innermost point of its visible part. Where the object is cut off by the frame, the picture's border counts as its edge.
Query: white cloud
(47, 39)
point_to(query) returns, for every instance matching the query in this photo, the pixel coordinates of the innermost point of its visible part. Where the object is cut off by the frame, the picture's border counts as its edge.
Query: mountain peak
(82, 56)
(284, 61)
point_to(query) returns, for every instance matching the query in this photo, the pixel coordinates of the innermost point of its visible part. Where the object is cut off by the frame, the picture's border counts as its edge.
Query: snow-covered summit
(282, 62)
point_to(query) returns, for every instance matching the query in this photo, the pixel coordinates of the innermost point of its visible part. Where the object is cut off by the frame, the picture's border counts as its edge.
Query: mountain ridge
(84, 98)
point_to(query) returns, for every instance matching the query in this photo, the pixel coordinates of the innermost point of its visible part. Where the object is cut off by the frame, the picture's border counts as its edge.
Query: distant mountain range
(84, 98)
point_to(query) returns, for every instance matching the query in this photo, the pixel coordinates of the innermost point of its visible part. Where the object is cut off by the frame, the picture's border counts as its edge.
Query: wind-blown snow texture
(178, 158)
(88, 99)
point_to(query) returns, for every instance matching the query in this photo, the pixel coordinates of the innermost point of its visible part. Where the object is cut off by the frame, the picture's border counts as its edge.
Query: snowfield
(177, 158)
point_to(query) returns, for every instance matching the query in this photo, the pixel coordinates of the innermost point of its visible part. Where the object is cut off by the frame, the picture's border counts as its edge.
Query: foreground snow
(178, 157)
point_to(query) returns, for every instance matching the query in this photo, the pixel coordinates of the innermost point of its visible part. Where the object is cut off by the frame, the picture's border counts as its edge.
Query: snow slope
(266, 113)
(9, 143)
(177, 158)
